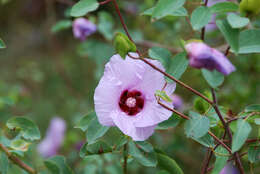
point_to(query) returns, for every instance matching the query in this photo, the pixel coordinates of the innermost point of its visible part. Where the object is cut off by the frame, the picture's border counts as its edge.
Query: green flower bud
(250, 6)
(123, 44)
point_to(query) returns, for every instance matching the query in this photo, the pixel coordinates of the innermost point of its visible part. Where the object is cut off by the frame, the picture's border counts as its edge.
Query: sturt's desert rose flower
(177, 101)
(54, 138)
(203, 56)
(125, 96)
(229, 169)
(82, 28)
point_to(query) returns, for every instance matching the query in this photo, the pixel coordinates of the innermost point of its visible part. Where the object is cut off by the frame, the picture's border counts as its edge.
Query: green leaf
(214, 78)
(200, 17)
(20, 145)
(249, 41)
(197, 126)
(241, 134)
(254, 154)
(206, 140)
(28, 129)
(52, 167)
(98, 147)
(84, 122)
(163, 95)
(257, 121)
(161, 54)
(179, 12)
(223, 7)
(83, 7)
(166, 7)
(95, 130)
(168, 164)
(61, 25)
(123, 45)
(105, 24)
(61, 163)
(230, 34)
(147, 159)
(2, 44)
(253, 108)
(83, 150)
(172, 122)
(145, 146)
(237, 21)
(178, 65)
(4, 163)
(221, 159)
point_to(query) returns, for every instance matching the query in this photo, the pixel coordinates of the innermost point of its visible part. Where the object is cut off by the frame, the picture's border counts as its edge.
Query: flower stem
(125, 154)
(17, 161)
(104, 2)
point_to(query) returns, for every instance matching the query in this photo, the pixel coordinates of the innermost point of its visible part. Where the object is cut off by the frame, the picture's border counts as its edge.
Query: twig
(17, 161)
(104, 2)
(125, 158)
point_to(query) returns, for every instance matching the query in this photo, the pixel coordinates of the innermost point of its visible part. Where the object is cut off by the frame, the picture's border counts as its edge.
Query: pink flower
(203, 56)
(53, 139)
(82, 28)
(125, 97)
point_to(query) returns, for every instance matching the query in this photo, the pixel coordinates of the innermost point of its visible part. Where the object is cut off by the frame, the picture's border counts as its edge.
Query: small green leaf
(84, 122)
(254, 154)
(61, 163)
(179, 12)
(178, 65)
(253, 108)
(105, 24)
(241, 134)
(257, 121)
(83, 7)
(214, 78)
(165, 7)
(249, 41)
(28, 129)
(95, 130)
(230, 34)
(2, 44)
(147, 159)
(161, 54)
(221, 159)
(206, 140)
(145, 146)
(52, 167)
(20, 145)
(224, 7)
(4, 163)
(98, 147)
(200, 17)
(168, 164)
(172, 122)
(197, 126)
(163, 95)
(61, 25)
(237, 21)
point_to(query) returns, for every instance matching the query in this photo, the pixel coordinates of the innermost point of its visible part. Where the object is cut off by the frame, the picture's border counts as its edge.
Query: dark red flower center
(131, 102)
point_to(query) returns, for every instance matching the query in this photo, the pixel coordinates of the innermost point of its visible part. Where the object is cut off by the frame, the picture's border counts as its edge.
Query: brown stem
(17, 161)
(187, 118)
(227, 129)
(125, 158)
(227, 50)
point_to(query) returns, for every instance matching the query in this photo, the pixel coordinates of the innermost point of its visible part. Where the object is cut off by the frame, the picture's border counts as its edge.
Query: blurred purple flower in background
(177, 101)
(203, 56)
(229, 169)
(82, 28)
(53, 139)
(125, 96)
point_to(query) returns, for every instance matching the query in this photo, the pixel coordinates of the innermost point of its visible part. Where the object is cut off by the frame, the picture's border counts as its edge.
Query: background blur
(45, 74)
